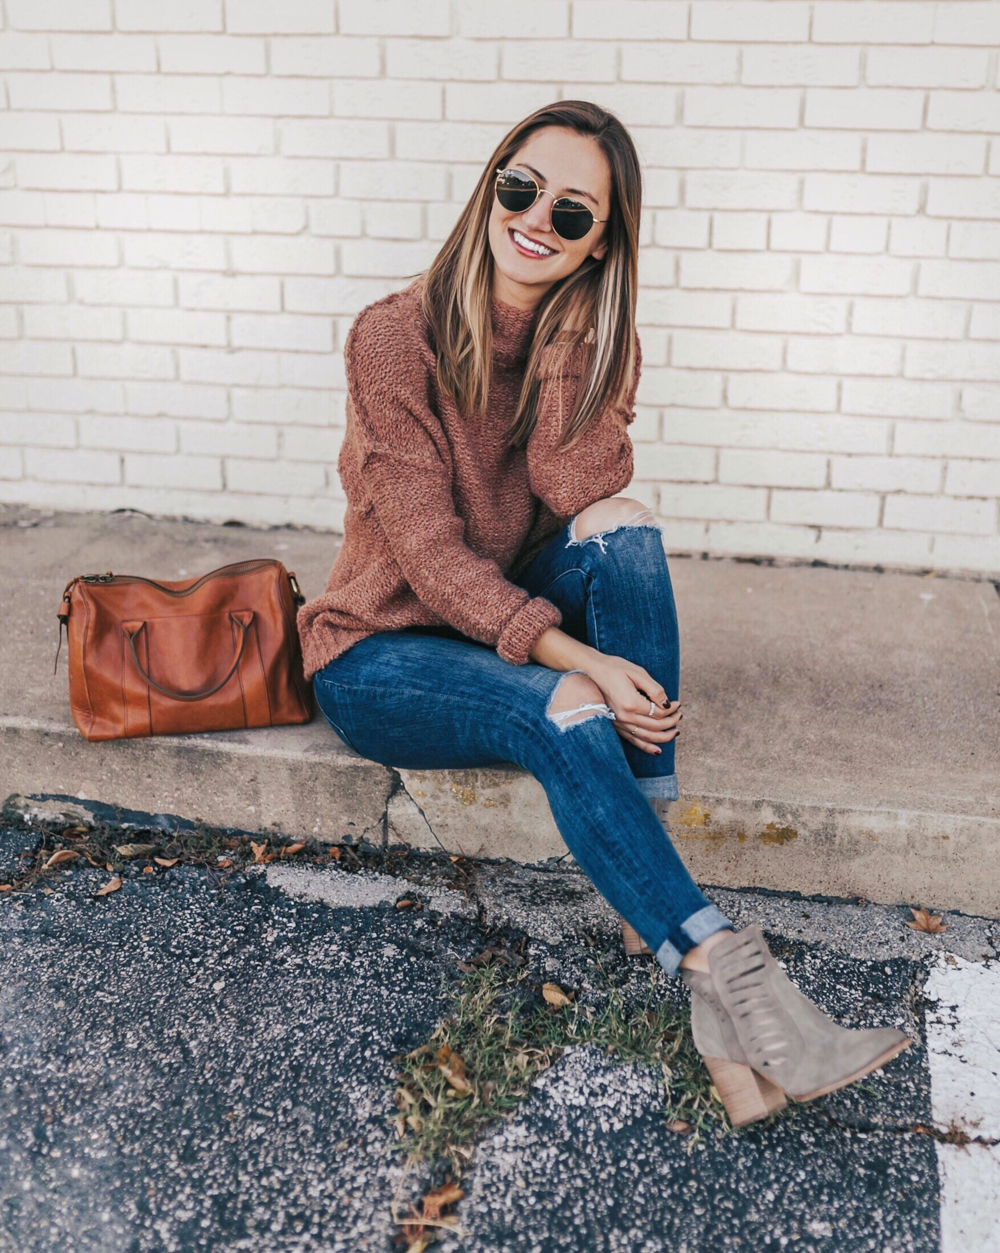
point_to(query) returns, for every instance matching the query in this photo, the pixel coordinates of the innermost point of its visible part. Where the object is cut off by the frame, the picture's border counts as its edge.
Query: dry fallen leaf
(111, 886)
(75, 833)
(554, 994)
(135, 850)
(259, 851)
(166, 862)
(149, 870)
(923, 921)
(57, 859)
(6, 887)
(679, 1126)
(297, 847)
(440, 1198)
(453, 1068)
(224, 863)
(335, 852)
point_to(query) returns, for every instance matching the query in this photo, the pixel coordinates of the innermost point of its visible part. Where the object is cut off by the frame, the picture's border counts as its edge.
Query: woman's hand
(627, 690)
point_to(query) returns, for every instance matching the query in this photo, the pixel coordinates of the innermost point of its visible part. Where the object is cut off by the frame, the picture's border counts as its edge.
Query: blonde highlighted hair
(457, 289)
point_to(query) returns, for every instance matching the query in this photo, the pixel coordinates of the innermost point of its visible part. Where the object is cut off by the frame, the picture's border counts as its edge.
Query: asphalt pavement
(203, 1061)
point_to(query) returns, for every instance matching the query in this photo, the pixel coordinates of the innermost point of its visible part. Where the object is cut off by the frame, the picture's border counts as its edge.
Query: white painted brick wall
(197, 197)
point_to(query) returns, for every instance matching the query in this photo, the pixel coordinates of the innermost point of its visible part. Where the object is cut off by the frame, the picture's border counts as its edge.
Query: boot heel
(634, 943)
(747, 1096)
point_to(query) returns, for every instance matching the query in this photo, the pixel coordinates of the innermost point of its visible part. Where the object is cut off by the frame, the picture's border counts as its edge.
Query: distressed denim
(431, 698)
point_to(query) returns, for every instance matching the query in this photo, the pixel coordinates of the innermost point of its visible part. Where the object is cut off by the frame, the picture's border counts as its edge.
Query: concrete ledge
(841, 727)
(299, 780)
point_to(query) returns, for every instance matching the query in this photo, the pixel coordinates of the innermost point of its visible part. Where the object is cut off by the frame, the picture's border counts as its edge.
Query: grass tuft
(500, 1033)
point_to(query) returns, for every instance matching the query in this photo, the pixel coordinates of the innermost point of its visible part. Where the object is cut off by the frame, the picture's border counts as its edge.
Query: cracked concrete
(361, 889)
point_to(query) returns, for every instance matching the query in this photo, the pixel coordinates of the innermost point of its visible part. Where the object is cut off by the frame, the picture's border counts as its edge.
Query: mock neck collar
(512, 331)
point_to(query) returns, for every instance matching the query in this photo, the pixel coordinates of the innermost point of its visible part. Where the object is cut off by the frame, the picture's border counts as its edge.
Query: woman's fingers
(645, 682)
(662, 720)
(642, 736)
(647, 745)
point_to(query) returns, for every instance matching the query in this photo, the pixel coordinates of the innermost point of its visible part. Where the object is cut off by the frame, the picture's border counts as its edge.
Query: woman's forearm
(559, 651)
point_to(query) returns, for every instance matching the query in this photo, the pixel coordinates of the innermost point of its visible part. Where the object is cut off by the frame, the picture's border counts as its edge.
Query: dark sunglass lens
(571, 220)
(516, 191)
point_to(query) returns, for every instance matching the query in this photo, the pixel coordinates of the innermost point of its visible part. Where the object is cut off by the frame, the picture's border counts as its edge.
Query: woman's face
(567, 164)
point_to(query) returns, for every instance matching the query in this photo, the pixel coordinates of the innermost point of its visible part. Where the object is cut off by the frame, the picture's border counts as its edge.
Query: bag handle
(244, 627)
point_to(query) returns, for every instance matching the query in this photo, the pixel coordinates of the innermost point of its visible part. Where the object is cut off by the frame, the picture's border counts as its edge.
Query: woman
(495, 600)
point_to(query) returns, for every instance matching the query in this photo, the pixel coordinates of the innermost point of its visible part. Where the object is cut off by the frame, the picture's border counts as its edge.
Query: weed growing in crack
(501, 1033)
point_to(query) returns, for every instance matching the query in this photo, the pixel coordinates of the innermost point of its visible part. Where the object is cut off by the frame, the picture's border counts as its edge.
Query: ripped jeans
(431, 698)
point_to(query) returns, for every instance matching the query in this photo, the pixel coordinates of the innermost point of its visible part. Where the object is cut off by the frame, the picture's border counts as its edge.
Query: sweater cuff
(518, 637)
(555, 361)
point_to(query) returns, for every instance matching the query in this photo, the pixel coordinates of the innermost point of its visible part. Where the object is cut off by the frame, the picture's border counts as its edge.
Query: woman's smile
(529, 247)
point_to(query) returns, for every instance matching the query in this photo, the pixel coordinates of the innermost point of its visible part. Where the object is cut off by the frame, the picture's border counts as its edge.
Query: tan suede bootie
(762, 1040)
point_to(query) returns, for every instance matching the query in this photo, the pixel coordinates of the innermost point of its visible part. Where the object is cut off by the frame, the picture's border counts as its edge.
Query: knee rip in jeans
(569, 690)
(644, 517)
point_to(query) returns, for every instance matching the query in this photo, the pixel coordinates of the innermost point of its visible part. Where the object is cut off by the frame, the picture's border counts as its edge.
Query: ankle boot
(746, 1095)
(635, 945)
(753, 1027)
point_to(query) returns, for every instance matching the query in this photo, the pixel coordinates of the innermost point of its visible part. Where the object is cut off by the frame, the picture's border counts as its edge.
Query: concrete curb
(301, 781)
(841, 734)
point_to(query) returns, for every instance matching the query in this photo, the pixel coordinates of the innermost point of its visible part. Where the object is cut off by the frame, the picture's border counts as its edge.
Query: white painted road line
(963, 1044)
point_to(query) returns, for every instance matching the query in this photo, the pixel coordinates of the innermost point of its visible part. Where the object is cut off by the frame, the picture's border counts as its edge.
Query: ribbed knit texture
(439, 510)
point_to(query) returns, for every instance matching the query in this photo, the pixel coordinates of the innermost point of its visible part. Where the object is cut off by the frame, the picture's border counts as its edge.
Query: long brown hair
(457, 289)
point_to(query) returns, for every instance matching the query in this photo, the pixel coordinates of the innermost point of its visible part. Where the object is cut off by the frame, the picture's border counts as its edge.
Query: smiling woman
(552, 228)
(497, 600)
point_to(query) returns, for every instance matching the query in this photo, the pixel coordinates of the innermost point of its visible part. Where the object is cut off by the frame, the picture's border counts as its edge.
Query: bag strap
(244, 626)
(63, 616)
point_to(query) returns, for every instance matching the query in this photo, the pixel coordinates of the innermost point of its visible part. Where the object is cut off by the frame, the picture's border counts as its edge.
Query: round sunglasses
(517, 192)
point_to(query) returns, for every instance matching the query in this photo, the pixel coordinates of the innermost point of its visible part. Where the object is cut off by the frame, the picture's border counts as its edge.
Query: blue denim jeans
(431, 698)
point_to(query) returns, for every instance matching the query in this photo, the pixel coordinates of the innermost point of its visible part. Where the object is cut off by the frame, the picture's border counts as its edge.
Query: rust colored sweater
(439, 510)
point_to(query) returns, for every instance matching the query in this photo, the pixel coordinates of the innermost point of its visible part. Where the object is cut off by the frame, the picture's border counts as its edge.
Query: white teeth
(530, 244)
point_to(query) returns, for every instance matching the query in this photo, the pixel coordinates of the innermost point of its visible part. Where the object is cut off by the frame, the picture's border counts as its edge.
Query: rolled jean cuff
(698, 927)
(664, 785)
(705, 923)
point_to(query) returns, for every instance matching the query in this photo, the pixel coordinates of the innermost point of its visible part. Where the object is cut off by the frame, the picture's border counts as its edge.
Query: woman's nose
(539, 216)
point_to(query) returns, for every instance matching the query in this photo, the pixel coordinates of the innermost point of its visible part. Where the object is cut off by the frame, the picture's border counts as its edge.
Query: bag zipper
(242, 567)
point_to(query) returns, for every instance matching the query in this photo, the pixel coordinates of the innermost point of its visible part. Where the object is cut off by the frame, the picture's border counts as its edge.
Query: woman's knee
(575, 698)
(609, 514)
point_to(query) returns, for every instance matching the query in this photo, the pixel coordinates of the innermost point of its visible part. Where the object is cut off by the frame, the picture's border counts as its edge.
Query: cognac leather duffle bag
(218, 653)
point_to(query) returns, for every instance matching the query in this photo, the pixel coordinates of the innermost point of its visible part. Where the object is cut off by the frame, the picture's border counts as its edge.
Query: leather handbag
(218, 653)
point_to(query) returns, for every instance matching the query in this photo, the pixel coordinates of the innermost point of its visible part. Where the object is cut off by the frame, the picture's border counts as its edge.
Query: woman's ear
(601, 251)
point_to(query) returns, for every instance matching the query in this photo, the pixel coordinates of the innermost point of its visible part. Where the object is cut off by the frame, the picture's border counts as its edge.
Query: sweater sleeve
(600, 462)
(409, 484)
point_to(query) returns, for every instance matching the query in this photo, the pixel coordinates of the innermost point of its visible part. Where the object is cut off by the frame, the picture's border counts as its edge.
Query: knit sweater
(439, 509)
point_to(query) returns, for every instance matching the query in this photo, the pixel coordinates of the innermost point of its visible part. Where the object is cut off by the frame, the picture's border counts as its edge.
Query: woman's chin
(523, 272)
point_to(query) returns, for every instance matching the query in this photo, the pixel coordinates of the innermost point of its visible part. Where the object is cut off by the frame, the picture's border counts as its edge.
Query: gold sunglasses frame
(544, 191)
